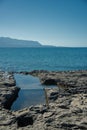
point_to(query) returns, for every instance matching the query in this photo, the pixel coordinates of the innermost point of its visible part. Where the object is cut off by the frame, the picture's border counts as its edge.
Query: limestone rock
(67, 111)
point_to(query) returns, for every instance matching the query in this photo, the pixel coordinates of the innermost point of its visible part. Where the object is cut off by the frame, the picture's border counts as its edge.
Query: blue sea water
(27, 59)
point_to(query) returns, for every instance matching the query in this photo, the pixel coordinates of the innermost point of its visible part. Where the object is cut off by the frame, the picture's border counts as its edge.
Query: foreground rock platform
(67, 103)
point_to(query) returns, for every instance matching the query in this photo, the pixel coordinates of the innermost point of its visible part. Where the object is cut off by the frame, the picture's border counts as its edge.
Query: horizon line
(13, 38)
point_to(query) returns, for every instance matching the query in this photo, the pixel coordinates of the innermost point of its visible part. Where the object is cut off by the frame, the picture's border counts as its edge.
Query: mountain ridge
(11, 42)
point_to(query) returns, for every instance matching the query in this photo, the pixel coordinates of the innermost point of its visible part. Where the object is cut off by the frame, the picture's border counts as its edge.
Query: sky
(51, 22)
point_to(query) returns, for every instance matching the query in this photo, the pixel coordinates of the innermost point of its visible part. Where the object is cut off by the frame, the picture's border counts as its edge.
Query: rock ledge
(67, 103)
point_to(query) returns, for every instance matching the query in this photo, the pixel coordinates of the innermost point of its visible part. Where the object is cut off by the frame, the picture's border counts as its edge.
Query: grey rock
(67, 111)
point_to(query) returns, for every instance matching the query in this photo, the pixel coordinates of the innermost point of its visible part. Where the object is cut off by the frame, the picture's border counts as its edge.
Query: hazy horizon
(50, 22)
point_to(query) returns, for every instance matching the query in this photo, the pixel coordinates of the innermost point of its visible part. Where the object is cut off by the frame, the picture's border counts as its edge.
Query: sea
(52, 59)
(28, 59)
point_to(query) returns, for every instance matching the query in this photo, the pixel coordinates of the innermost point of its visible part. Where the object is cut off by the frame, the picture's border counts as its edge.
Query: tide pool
(31, 92)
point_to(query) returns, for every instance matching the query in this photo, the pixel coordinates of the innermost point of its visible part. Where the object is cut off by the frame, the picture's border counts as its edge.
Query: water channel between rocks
(31, 92)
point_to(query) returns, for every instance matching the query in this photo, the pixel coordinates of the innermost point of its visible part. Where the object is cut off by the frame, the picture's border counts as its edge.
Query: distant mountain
(9, 42)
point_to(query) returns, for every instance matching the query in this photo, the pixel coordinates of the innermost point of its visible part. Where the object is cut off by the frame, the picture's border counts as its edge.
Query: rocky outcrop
(8, 90)
(72, 82)
(67, 105)
(64, 113)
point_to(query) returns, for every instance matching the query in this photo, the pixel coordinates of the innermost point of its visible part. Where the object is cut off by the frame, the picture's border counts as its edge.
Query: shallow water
(31, 92)
(28, 97)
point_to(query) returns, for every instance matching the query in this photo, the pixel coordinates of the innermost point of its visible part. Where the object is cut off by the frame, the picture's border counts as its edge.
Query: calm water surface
(31, 92)
(27, 59)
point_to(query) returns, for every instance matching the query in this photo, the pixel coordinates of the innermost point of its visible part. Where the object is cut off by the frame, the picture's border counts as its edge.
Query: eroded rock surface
(66, 112)
(8, 90)
(71, 81)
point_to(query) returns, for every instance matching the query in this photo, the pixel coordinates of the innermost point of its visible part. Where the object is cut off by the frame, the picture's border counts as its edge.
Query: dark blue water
(27, 59)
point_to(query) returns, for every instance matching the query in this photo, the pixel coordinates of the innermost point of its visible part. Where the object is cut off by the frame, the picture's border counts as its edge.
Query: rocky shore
(67, 103)
(8, 90)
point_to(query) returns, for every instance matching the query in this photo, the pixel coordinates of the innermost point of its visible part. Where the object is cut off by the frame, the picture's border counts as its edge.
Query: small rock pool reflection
(31, 92)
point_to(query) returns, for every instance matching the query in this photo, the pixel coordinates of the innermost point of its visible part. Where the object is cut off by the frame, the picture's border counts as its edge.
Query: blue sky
(52, 22)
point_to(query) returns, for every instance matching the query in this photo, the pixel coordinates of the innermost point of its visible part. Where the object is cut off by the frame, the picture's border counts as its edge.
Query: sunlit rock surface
(67, 111)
